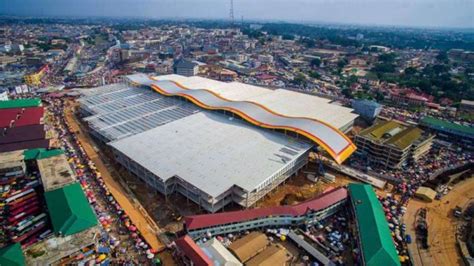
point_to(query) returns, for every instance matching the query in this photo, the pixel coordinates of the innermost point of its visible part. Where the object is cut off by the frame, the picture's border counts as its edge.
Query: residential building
(466, 107)
(3, 95)
(186, 68)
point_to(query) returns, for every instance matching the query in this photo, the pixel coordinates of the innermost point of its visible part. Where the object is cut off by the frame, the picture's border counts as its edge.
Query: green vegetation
(316, 62)
(435, 79)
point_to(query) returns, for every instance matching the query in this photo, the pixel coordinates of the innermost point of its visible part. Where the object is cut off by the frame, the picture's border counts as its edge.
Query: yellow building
(34, 79)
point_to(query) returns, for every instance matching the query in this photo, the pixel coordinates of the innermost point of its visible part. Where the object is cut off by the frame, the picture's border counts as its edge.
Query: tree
(442, 56)
(342, 63)
(299, 79)
(314, 75)
(387, 58)
(410, 71)
(347, 93)
(316, 62)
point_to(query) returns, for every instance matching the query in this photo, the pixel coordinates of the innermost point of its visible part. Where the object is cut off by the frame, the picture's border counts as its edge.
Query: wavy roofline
(339, 157)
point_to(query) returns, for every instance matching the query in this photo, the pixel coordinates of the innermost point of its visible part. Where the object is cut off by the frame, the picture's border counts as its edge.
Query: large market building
(213, 142)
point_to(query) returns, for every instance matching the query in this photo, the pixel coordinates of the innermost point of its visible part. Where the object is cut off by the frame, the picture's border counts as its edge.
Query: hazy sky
(437, 13)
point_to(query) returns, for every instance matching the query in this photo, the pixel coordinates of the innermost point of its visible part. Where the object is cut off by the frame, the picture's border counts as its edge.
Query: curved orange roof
(335, 142)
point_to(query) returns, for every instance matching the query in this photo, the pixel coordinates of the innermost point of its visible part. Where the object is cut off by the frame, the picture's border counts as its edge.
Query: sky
(418, 13)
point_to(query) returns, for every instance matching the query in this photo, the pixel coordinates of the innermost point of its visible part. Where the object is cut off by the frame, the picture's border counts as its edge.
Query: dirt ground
(300, 188)
(441, 226)
(136, 213)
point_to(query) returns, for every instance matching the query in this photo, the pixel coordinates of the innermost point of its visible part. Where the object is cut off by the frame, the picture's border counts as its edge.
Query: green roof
(392, 132)
(377, 131)
(406, 137)
(69, 210)
(12, 255)
(375, 237)
(441, 124)
(20, 103)
(41, 153)
(49, 153)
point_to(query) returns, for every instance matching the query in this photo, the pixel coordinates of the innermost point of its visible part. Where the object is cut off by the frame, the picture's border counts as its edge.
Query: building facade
(186, 68)
(368, 110)
(307, 213)
(391, 144)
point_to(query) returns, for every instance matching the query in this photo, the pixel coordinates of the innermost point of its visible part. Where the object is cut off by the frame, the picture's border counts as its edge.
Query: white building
(3, 95)
(211, 157)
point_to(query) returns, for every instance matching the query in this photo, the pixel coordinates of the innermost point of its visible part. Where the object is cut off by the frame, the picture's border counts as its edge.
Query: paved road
(441, 226)
(137, 214)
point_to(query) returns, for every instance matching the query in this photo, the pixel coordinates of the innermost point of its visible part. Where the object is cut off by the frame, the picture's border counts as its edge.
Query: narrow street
(137, 214)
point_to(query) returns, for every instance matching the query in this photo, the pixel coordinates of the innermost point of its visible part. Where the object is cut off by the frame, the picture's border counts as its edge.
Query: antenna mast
(231, 13)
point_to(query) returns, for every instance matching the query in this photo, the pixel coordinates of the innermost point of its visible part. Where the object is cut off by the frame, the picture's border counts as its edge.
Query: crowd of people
(120, 237)
(412, 176)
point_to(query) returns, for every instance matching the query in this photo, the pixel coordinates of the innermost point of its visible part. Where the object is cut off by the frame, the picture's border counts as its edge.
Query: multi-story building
(452, 132)
(392, 143)
(243, 161)
(368, 110)
(306, 213)
(186, 68)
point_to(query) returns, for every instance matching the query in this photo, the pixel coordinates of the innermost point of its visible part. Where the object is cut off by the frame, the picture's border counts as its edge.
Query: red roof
(321, 202)
(41, 143)
(21, 116)
(191, 250)
(266, 77)
(20, 134)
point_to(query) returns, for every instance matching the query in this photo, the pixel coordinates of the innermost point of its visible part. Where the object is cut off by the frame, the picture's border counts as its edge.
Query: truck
(457, 212)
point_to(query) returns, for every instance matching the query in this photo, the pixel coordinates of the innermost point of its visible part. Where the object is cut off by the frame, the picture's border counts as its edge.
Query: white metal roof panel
(212, 152)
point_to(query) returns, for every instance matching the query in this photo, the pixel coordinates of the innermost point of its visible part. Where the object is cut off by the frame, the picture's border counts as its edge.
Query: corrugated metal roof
(219, 254)
(321, 202)
(20, 134)
(376, 240)
(232, 151)
(40, 143)
(21, 116)
(310, 249)
(69, 210)
(248, 246)
(271, 256)
(12, 255)
(441, 124)
(324, 134)
(20, 103)
(193, 251)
